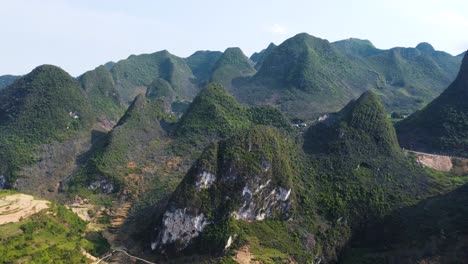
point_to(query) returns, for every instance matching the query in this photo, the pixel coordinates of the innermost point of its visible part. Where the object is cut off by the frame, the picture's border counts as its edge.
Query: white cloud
(278, 29)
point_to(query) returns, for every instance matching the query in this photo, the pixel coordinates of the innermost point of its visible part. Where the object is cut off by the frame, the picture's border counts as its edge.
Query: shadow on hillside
(433, 231)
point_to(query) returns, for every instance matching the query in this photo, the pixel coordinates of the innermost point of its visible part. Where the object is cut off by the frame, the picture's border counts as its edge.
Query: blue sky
(79, 35)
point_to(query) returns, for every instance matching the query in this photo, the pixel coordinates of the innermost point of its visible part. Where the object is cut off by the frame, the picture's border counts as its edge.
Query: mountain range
(289, 156)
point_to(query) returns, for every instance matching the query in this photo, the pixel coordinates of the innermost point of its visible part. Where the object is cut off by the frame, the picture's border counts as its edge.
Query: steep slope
(147, 137)
(104, 98)
(245, 178)
(213, 111)
(358, 155)
(231, 65)
(442, 126)
(6, 80)
(134, 74)
(259, 57)
(306, 76)
(160, 88)
(256, 190)
(202, 64)
(126, 147)
(363, 123)
(214, 114)
(44, 105)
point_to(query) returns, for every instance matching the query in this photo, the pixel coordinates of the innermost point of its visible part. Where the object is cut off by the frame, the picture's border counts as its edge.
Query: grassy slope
(52, 235)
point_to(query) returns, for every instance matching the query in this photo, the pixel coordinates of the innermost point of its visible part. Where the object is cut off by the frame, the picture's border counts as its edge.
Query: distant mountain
(42, 106)
(408, 77)
(6, 80)
(442, 126)
(231, 65)
(306, 76)
(259, 57)
(109, 65)
(102, 93)
(133, 75)
(202, 64)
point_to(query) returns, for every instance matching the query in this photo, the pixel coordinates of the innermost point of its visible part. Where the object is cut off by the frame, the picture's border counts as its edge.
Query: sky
(79, 35)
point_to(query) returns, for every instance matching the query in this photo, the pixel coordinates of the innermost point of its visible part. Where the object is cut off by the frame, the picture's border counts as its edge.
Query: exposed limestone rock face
(205, 180)
(261, 200)
(245, 178)
(180, 225)
(103, 185)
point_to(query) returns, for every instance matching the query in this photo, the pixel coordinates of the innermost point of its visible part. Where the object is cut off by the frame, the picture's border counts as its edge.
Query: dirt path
(15, 207)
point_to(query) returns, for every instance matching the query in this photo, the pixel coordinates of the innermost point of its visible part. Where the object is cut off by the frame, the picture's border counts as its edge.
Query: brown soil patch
(15, 207)
(244, 256)
(436, 162)
(131, 165)
(118, 218)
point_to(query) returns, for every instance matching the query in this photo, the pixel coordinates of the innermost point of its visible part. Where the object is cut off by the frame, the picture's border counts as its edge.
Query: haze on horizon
(80, 35)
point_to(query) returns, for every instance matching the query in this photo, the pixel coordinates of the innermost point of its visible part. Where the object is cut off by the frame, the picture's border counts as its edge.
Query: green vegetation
(362, 171)
(137, 133)
(6, 80)
(434, 229)
(214, 113)
(252, 157)
(231, 65)
(45, 105)
(133, 75)
(344, 176)
(306, 76)
(202, 64)
(53, 235)
(100, 88)
(259, 57)
(442, 126)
